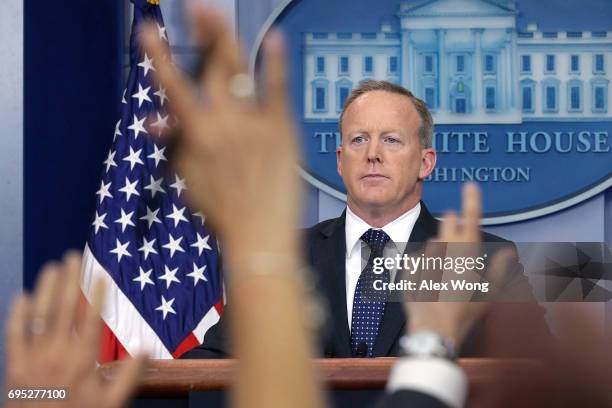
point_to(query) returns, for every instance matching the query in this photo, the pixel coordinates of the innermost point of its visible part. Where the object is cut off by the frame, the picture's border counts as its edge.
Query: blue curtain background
(72, 87)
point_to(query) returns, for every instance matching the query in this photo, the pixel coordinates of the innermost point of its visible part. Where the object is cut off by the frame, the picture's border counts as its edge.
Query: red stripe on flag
(219, 306)
(190, 342)
(110, 347)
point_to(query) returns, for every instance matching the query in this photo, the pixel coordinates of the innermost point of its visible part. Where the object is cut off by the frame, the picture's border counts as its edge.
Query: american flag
(158, 259)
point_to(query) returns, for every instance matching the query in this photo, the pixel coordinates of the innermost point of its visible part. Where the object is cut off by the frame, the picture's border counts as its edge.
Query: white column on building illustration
(406, 60)
(513, 68)
(443, 74)
(477, 80)
(413, 68)
(501, 77)
(508, 79)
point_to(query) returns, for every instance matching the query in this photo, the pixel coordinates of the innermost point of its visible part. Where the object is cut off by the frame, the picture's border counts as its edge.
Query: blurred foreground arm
(239, 156)
(44, 352)
(437, 328)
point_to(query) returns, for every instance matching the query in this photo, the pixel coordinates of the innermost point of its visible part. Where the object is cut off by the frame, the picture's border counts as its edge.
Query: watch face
(426, 343)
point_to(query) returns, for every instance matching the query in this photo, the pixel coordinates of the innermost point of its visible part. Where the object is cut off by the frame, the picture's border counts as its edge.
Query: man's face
(381, 158)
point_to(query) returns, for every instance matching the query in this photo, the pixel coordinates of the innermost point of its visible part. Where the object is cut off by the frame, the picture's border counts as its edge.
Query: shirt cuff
(437, 377)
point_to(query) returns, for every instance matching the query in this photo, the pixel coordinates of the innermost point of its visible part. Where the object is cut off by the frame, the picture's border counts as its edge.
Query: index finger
(69, 296)
(276, 72)
(225, 59)
(91, 321)
(472, 212)
(177, 86)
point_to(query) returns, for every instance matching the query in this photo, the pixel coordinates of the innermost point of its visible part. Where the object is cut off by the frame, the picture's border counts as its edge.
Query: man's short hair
(425, 130)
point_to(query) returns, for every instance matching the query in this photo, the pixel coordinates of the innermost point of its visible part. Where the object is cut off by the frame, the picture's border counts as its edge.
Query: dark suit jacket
(325, 248)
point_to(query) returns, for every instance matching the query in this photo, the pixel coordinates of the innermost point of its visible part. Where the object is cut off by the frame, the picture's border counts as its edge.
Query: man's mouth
(374, 176)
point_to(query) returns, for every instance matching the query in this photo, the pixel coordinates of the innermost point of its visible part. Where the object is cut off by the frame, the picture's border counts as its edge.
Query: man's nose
(374, 153)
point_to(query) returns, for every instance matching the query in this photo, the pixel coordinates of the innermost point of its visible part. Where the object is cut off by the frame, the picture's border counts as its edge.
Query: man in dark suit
(325, 245)
(385, 156)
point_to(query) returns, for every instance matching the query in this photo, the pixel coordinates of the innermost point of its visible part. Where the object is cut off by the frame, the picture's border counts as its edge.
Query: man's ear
(428, 162)
(339, 160)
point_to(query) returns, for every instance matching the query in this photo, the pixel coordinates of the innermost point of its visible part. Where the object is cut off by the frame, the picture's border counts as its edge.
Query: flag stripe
(219, 306)
(119, 314)
(190, 342)
(206, 323)
(110, 347)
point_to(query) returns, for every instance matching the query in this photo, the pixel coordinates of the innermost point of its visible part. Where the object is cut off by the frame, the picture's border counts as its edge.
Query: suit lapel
(332, 265)
(394, 318)
(425, 227)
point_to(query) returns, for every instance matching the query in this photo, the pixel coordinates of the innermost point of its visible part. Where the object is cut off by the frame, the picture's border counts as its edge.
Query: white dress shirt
(398, 230)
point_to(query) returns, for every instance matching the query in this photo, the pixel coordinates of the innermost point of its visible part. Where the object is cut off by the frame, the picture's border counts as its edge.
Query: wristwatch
(426, 343)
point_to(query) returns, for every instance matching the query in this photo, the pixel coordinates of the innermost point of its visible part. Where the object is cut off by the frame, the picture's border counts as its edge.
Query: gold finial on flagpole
(155, 2)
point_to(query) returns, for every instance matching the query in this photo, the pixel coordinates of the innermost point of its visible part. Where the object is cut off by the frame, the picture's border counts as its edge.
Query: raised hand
(44, 350)
(236, 149)
(458, 236)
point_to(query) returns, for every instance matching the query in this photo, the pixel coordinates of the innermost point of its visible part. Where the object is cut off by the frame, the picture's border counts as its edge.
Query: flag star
(147, 64)
(151, 217)
(166, 306)
(142, 95)
(133, 158)
(201, 244)
(178, 185)
(200, 215)
(104, 191)
(197, 274)
(129, 189)
(161, 123)
(147, 247)
(99, 222)
(161, 93)
(123, 97)
(125, 220)
(174, 245)
(110, 160)
(162, 32)
(144, 278)
(138, 126)
(177, 215)
(157, 155)
(117, 130)
(169, 276)
(121, 250)
(155, 185)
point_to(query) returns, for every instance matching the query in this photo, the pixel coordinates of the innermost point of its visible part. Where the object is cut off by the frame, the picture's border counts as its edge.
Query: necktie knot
(376, 239)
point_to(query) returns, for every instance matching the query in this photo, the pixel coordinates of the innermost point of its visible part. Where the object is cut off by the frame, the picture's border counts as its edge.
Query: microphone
(362, 349)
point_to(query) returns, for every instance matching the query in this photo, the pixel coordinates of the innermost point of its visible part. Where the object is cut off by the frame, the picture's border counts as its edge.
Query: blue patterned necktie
(368, 303)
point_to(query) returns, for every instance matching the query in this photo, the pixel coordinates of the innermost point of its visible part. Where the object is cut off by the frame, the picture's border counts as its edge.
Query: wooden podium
(179, 379)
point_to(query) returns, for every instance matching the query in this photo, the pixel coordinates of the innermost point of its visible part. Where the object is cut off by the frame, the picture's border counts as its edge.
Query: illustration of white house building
(468, 62)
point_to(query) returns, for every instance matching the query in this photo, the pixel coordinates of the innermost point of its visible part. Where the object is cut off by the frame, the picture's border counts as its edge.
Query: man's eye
(358, 139)
(391, 140)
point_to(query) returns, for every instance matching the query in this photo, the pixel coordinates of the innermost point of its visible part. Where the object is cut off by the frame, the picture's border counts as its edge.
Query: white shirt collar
(398, 230)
